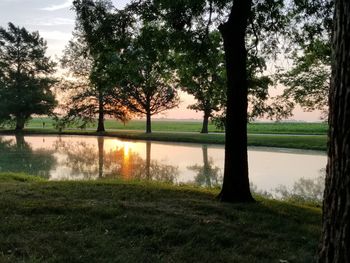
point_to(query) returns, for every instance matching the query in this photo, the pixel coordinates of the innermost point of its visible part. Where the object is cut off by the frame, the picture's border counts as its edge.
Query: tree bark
(205, 123)
(335, 241)
(20, 121)
(236, 181)
(101, 125)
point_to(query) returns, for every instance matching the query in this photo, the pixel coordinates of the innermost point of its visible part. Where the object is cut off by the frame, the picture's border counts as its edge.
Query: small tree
(201, 71)
(93, 60)
(90, 92)
(148, 76)
(25, 76)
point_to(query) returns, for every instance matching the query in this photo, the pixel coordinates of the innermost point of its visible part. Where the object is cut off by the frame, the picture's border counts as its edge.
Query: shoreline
(291, 141)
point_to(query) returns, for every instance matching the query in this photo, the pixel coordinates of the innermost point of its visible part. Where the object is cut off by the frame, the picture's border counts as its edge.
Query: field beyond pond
(307, 136)
(195, 126)
(114, 221)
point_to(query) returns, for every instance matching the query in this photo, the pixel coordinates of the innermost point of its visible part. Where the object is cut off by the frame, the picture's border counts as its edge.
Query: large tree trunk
(205, 122)
(335, 241)
(236, 182)
(20, 121)
(101, 115)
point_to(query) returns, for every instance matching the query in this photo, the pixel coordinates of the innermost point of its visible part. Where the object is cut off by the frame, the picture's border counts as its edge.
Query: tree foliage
(148, 75)
(250, 31)
(25, 76)
(309, 48)
(201, 72)
(85, 98)
(93, 59)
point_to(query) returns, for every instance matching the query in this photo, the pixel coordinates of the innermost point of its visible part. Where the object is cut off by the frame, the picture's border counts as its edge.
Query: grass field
(109, 221)
(195, 126)
(311, 136)
(307, 142)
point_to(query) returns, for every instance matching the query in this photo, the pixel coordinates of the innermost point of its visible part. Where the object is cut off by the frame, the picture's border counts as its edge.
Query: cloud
(55, 35)
(56, 21)
(64, 5)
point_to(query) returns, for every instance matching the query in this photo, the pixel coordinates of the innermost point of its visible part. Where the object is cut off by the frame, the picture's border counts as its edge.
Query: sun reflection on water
(127, 148)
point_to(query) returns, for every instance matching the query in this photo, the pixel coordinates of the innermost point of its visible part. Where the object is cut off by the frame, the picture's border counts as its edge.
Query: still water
(274, 172)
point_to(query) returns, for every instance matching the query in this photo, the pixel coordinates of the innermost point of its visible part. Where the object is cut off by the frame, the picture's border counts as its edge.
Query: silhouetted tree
(25, 76)
(148, 80)
(201, 72)
(236, 181)
(256, 30)
(89, 92)
(335, 242)
(307, 81)
(93, 58)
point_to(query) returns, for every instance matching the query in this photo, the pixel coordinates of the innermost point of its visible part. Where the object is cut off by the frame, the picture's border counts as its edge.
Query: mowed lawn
(111, 221)
(308, 136)
(195, 126)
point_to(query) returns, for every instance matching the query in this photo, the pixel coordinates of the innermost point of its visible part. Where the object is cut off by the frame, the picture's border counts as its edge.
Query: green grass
(110, 221)
(310, 142)
(307, 142)
(195, 126)
(15, 177)
(288, 128)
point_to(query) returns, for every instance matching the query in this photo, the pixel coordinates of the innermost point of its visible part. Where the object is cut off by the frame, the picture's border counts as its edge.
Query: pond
(278, 173)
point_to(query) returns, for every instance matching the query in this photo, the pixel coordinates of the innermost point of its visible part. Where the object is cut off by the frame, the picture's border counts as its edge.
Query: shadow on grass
(109, 221)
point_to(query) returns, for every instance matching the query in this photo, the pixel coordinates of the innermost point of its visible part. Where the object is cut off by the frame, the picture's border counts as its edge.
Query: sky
(54, 20)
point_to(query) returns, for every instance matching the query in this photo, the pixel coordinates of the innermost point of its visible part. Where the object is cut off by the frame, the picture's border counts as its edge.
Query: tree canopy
(309, 49)
(92, 58)
(201, 73)
(148, 74)
(25, 76)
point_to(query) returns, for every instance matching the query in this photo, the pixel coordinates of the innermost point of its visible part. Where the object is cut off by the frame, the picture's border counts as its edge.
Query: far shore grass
(160, 125)
(118, 221)
(306, 142)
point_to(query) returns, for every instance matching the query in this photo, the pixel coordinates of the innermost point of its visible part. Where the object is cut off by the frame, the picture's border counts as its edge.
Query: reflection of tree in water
(154, 170)
(254, 189)
(310, 190)
(80, 157)
(304, 190)
(17, 156)
(91, 162)
(207, 174)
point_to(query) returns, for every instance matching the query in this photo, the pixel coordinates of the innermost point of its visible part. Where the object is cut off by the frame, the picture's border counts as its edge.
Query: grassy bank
(109, 221)
(307, 142)
(195, 126)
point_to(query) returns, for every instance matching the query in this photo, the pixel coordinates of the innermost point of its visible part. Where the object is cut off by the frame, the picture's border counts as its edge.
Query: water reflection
(17, 156)
(310, 190)
(85, 161)
(274, 172)
(207, 175)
